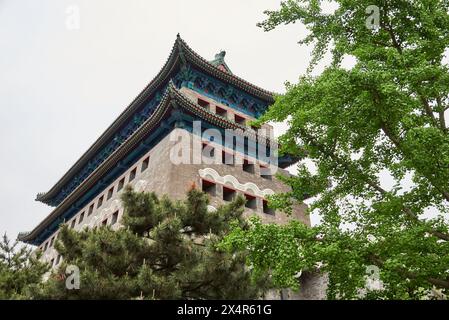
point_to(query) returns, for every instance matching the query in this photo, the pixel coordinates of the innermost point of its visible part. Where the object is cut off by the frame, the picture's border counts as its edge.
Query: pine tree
(165, 250)
(19, 269)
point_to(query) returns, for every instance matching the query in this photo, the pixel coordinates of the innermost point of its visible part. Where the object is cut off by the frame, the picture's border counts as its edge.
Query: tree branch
(369, 181)
(427, 108)
(398, 144)
(441, 114)
(395, 42)
(407, 274)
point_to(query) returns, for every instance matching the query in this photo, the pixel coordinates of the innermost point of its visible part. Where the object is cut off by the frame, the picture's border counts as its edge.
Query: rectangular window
(105, 222)
(203, 103)
(45, 246)
(73, 223)
(265, 172)
(100, 202)
(208, 151)
(227, 158)
(110, 193)
(228, 194)
(267, 209)
(58, 259)
(145, 164)
(240, 120)
(220, 111)
(81, 218)
(121, 183)
(209, 187)
(248, 167)
(251, 201)
(114, 218)
(51, 242)
(132, 174)
(91, 209)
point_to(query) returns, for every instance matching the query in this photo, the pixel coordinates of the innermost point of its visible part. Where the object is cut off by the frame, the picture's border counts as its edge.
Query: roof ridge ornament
(220, 55)
(181, 51)
(220, 63)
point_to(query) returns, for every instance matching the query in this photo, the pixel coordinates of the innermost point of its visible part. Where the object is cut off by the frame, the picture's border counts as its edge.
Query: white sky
(61, 88)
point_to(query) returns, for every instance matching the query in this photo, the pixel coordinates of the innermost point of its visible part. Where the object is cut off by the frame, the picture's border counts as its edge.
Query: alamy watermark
(72, 282)
(373, 20)
(235, 147)
(373, 281)
(72, 19)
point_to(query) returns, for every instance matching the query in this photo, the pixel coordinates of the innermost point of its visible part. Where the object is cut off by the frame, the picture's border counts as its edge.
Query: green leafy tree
(165, 250)
(383, 119)
(19, 269)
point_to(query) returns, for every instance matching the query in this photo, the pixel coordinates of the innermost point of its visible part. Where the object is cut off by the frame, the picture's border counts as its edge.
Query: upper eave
(181, 53)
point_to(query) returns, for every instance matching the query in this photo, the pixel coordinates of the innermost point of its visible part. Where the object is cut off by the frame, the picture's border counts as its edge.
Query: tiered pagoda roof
(145, 121)
(181, 55)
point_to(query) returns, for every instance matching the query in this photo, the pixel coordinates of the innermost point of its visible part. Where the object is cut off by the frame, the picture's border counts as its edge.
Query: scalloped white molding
(209, 173)
(211, 208)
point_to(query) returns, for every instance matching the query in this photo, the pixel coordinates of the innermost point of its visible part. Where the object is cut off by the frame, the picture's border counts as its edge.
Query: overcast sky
(61, 87)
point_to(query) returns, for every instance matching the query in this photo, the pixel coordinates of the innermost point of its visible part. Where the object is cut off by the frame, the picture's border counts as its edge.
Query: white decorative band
(230, 180)
(211, 208)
